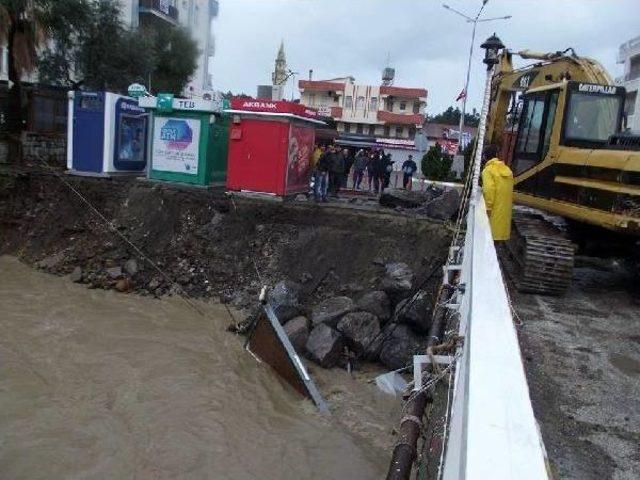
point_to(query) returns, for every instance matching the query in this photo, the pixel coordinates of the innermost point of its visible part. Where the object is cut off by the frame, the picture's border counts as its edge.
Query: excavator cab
(581, 115)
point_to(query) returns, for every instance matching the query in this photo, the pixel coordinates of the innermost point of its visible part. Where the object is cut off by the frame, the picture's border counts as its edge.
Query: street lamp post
(475, 20)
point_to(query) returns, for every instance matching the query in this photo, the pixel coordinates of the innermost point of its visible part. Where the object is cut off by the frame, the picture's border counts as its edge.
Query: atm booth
(270, 146)
(107, 135)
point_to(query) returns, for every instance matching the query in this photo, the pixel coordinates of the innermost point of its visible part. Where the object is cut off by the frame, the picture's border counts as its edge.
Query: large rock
(360, 329)
(403, 198)
(285, 300)
(331, 310)
(397, 281)
(76, 275)
(445, 207)
(297, 329)
(114, 272)
(398, 347)
(325, 346)
(131, 267)
(376, 303)
(415, 312)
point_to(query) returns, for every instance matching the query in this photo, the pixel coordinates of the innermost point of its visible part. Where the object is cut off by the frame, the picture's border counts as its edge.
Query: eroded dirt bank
(211, 246)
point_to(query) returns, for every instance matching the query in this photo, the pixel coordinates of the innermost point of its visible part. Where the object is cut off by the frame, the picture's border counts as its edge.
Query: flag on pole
(462, 95)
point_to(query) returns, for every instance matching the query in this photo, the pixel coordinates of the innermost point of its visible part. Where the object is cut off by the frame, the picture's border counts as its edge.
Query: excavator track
(539, 256)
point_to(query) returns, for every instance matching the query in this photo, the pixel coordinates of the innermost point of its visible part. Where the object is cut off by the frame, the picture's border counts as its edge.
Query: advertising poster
(176, 145)
(301, 141)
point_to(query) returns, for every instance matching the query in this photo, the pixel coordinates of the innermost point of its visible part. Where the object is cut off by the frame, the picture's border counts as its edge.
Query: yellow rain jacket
(317, 153)
(497, 189)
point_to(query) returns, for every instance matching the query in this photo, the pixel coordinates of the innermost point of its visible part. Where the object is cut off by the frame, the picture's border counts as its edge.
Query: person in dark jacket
(322, 177)
(336, 170)
(388, 169)
(409, 167)
(377, 169)
(349, 159)
(359, 166)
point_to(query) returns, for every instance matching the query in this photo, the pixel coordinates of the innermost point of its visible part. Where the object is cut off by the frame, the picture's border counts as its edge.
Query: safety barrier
(492, 431)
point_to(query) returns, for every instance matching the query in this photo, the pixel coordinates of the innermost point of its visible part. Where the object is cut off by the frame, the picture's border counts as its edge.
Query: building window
(398, 131)
(630, 103)
(412, 132)
(374, 104)
(347, 128)
(403, 106)
(359, 129)
(372, 130)
(348, 101)
(416, 107)
(389, 105)
(312, 100)
(387, 131)
(360, 103)
(634, 68)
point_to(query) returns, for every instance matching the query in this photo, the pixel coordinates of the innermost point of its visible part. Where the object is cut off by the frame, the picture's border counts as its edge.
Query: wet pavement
(582, 355)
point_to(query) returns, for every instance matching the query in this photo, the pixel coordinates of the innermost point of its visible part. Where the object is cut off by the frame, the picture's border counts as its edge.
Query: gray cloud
(428, 45)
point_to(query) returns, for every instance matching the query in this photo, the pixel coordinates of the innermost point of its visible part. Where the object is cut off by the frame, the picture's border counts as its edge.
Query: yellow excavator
(559, 122)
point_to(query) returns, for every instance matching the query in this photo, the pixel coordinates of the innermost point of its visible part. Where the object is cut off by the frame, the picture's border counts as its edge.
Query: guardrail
(492, 430)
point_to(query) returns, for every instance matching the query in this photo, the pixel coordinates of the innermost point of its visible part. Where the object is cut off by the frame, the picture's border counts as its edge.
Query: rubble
(76, 275)
(399, 345)
(376, 303)
(331, 310)
(325, 346)
(415, 311)
(284, 298)
(396, 197)
(297, 329)
(444, 207)
(397, 281)
(360, 330)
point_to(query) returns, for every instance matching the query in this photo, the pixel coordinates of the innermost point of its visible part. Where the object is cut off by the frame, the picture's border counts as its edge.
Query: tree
(436, 164)
(25, 27)
(176, 59)
(105, 55)
(467, 153)
(451, 116)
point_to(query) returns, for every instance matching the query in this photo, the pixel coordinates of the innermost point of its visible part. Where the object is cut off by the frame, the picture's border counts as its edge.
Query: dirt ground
(211, 245)
(582, 356)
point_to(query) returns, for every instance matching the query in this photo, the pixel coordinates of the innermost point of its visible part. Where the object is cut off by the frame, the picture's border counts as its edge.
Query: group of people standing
(333, 166)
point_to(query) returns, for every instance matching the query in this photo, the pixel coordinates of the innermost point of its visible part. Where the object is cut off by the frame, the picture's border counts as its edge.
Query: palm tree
(22, 30)
(25, 28)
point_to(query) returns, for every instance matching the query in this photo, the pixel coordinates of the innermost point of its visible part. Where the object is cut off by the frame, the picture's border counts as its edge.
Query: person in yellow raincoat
(497, 189)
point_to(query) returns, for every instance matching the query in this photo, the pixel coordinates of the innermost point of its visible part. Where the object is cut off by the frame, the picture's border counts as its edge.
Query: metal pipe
(404, 452)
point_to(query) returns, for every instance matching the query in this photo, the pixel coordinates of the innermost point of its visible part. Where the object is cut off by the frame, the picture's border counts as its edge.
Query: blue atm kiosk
(107, 134)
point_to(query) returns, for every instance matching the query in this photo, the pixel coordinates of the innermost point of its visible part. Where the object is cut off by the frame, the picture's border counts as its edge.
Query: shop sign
(176, 145)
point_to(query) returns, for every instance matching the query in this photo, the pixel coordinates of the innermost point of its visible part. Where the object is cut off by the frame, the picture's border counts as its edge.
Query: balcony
(158, 11)
(400, 119)
(320, 86)
(411, 93)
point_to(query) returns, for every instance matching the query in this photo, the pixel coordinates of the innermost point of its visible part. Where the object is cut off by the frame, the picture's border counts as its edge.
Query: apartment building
(629, 56)
(384, 116)
(194, 15)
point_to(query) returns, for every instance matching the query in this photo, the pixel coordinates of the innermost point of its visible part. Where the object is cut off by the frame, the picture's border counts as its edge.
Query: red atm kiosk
(270, 146)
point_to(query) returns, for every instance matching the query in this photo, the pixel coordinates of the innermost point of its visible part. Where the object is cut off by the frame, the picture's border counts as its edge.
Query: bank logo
(177, 134)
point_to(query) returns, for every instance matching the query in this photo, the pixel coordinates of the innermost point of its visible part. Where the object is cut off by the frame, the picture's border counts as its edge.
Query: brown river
(100, 385)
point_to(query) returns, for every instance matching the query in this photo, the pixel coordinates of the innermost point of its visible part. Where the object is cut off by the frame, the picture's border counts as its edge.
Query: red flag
(462, 95)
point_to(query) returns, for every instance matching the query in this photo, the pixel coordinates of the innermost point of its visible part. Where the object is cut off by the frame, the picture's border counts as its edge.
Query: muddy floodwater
(96, 384)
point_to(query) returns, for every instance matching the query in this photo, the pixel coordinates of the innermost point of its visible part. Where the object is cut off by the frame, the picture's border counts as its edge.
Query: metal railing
(163, 7)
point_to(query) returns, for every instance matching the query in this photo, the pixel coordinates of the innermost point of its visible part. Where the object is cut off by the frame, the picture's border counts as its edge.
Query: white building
(629, 56)
(194, 15)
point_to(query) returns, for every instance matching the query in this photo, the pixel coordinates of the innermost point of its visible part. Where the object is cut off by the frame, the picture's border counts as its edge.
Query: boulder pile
(388, 324)
(434, 202)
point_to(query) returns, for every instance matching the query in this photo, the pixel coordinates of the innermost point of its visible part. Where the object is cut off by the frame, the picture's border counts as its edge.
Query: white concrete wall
(493, 433)
(628, 51)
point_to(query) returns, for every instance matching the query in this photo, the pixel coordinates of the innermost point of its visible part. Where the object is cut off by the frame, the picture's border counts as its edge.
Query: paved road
(582, 355)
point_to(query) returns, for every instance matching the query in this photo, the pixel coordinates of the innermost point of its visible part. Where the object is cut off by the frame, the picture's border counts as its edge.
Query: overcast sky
(427, 44)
